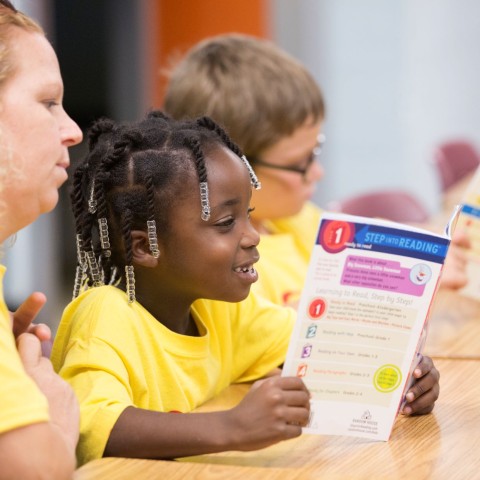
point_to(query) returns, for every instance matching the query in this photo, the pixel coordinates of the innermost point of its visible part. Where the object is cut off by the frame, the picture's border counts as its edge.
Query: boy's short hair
(256, 91)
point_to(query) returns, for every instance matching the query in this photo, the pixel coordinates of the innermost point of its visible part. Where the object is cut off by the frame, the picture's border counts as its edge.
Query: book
(469, 222)
(362, 321)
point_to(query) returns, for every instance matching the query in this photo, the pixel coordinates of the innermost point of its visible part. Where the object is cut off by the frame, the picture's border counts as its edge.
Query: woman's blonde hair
(10, 20)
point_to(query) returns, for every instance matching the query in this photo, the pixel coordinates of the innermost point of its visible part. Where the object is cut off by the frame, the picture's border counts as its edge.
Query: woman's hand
(26, 313)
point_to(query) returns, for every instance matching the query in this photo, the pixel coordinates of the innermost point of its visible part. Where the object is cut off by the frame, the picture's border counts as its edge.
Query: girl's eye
(226, 223)
(249, 211)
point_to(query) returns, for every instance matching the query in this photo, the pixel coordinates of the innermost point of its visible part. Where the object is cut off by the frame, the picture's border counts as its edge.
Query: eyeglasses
(313, 157)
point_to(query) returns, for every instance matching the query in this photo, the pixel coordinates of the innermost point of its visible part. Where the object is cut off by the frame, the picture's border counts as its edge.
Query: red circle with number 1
(335, 234)
(317, 308)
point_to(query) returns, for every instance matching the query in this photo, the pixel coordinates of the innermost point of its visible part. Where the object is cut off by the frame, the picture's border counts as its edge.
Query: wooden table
(441, 445)
(133, 469)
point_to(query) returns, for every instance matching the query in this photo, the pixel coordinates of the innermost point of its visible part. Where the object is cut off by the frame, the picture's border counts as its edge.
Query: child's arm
(274, 409)
(422, 395)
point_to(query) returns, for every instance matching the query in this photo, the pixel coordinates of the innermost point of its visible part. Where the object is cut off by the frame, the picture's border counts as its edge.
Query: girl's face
(285, 192)
(212, 259)
(36, 131)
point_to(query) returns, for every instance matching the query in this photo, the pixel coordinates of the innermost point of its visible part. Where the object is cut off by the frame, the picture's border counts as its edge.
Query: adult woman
(38, 411)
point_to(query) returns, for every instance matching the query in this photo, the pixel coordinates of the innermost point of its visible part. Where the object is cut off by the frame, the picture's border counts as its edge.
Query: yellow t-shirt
(21, 402)
(284, 256)
(116, 355)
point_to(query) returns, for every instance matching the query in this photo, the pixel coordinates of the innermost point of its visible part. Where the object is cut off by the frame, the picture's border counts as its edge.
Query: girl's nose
(251, 238)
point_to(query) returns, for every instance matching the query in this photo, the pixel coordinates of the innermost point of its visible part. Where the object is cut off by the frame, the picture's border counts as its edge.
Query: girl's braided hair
(129, 179)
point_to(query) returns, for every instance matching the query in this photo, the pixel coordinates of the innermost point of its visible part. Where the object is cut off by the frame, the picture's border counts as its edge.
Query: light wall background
(398, 77)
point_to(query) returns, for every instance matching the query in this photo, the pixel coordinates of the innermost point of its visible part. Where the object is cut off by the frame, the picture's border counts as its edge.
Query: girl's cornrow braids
(84, 226)
(76, 196)
(130, 140)
(119, 151)
(102, 213)
(157, 114)
(101, 126)
(256, 184)
(194, 146)
(208, 123)
(80, 269)
(94, 269)
(127, 240)
(151, 224)
(98, 194)
(77, 204)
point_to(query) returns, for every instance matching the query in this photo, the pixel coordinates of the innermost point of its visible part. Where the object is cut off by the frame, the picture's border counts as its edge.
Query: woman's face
(35, 130)
(285, 192)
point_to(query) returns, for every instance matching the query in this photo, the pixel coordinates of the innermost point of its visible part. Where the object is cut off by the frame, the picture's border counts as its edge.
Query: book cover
(362, 321)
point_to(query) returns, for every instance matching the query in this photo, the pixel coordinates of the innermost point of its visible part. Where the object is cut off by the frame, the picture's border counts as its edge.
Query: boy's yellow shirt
(285, 254)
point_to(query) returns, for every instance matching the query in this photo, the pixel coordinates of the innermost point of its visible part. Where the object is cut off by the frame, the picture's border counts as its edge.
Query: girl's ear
(141, 250)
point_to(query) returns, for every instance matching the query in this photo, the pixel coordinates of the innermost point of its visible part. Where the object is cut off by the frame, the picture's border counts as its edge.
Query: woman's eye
(50, 103)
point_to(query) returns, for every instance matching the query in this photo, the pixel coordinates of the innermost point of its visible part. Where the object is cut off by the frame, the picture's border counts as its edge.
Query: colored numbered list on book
(361, 321)
(469, 222)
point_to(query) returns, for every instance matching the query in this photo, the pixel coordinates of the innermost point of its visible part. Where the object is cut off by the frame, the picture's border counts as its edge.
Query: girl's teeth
(244, 269)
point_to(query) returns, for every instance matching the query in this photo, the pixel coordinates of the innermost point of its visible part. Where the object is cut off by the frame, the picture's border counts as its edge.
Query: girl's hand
(275, 409)
(421, 397)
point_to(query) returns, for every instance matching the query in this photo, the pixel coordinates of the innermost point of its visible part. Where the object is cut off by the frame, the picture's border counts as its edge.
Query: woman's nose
(71, 132)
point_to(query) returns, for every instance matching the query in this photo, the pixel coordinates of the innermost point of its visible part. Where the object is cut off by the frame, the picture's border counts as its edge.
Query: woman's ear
(141, 250)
